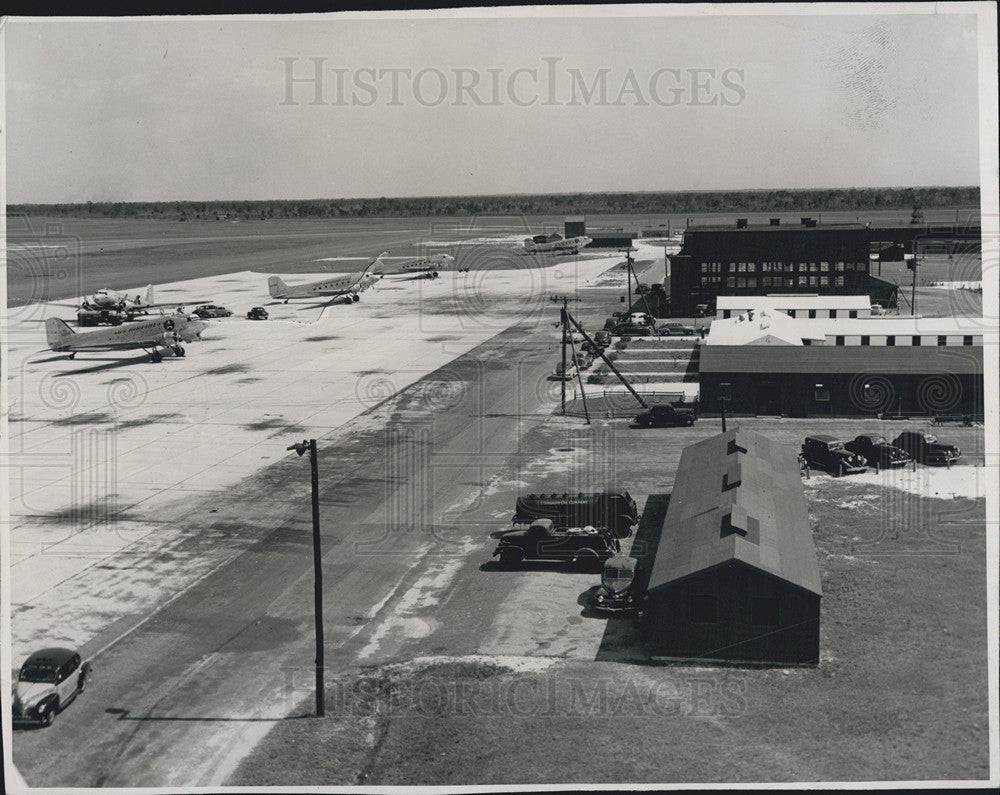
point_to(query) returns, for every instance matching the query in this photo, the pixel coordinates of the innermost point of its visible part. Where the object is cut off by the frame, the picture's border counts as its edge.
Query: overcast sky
(137, 110)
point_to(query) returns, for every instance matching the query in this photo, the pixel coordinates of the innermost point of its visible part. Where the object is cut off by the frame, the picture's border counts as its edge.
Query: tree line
(642, 203)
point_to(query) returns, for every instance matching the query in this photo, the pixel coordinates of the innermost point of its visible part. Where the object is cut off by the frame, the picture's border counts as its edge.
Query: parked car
(603, 338)
(632, 330)
(583, 359)
(542, 540)
(559, 374)
(613, 509)
(829, 453)
(665, 415)
(677, 329)
(211, 310)
(47, 682)
(876, 449)
(642, 289)
(257, 313)
(640, 319)
(926, 448)
(616, 593)
(702, 310)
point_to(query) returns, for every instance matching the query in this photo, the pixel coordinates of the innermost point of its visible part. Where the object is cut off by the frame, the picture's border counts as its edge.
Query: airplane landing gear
(355, 298)
(179, 350)
(434, 275)
(156, 357)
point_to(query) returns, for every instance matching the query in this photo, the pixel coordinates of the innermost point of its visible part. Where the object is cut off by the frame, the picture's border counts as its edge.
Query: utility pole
(317, 579)
(565, 334)
(911, 263)
(300, 448)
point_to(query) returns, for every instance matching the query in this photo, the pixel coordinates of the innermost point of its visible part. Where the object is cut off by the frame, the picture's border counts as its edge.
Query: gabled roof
(737, 496)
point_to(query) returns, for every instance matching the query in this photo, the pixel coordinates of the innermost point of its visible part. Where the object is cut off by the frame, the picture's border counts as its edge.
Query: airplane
(113, 301)
(166, 332)
(571, 244)
(347, 285)
(427, 266)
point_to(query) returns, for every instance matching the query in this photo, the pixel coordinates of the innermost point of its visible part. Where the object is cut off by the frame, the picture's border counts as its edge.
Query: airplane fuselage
(573, 244)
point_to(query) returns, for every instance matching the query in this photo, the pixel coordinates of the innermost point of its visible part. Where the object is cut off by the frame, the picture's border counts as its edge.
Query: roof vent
(741, 223)
(775, 221)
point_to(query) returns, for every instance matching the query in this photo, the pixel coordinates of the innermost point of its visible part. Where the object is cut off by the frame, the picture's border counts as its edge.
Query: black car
(926, 449)
(603, 338)
(665, 415)
(876, 449)
(257, 313)
(211, 310)
(542, 540)
(829, 453)
(632, 330)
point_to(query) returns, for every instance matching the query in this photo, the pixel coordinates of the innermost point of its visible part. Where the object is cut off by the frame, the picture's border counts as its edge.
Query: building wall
(723, 314)
(868, 394)
(574, 228)
(733, 637)
(717, 262)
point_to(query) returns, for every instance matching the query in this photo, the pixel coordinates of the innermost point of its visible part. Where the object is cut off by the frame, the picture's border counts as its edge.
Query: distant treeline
(640, 203)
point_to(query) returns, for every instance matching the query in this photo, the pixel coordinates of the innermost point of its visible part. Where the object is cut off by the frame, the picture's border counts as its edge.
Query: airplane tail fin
(276, 287)
(57, 332)
(148, 300)
(376, 265)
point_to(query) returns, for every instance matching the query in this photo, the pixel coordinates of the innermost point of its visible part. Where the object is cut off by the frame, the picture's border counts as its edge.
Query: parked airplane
(112, 301)
(162, 332)
(428, 266)
(571, 244)
(347, 285)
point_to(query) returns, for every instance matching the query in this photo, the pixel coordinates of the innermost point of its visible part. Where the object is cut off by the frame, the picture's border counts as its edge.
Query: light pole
(911, 264)
(300, 448)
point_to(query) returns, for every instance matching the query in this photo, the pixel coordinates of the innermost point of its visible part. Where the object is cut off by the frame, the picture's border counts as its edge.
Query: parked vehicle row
(822, 451)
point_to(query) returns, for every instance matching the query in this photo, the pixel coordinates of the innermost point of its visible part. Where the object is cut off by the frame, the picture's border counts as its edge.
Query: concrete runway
(186, 569)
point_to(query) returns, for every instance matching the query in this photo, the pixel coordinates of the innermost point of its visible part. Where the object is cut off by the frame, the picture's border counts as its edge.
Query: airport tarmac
(108, 449)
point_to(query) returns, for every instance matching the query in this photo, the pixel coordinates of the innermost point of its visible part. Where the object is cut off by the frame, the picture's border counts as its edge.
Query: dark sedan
(926, 448)
(876, 449)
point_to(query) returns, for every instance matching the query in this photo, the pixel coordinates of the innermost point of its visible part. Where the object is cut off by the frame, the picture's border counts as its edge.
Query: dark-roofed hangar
(735, 577)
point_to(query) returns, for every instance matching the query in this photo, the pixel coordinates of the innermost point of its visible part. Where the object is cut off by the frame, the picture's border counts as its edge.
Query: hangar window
(812, 281)
(730, 281)
(840, 281)
(813, 267)
(789, 266)
(824, 266)
(916, 340)
(833, 312)
(838, 340)
(890, 340)
(866, 340)
(967, 339)
(764, 611)
(942, 340)
(789, 281)
(803, 280)
(743, 267)
(812, 314)
(703, 608)
(840, 267)
(704, 267)
(852, 313)
(741, 281)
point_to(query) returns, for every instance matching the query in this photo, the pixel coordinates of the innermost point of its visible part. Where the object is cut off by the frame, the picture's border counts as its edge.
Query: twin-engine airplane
(347, 285)
(350, 285)
(571, 244)
(163, 332)
(428, 266)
